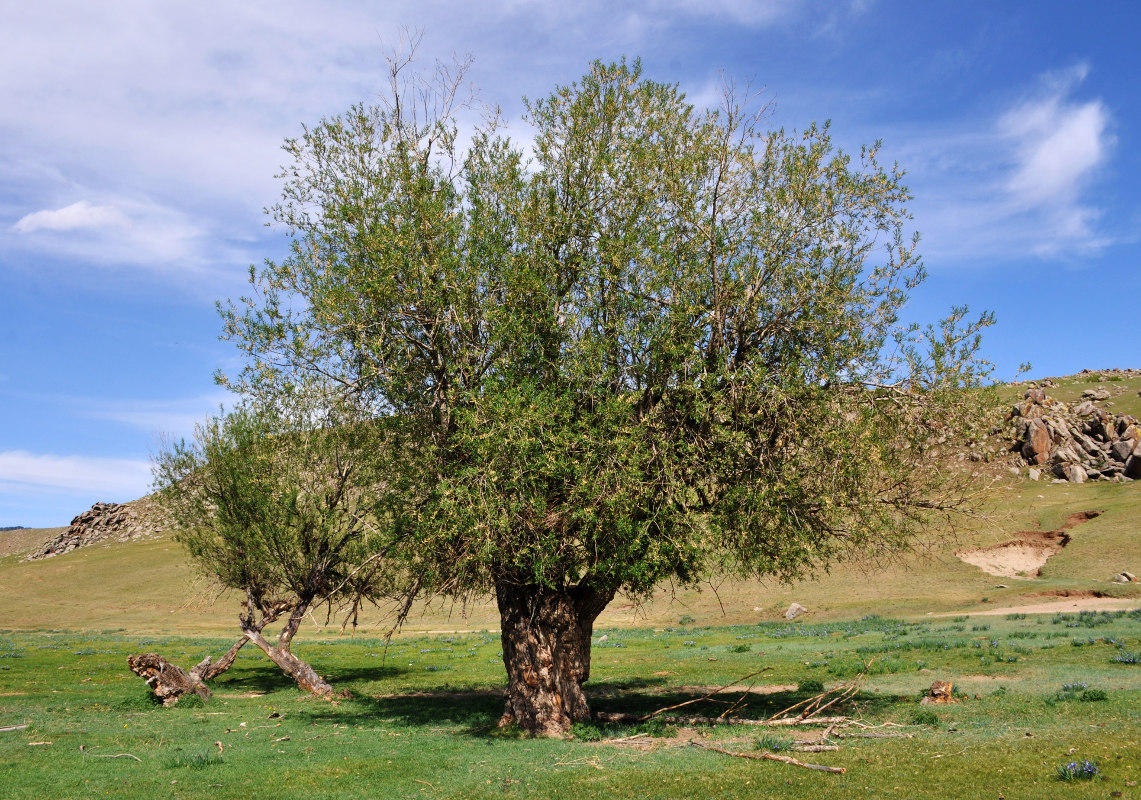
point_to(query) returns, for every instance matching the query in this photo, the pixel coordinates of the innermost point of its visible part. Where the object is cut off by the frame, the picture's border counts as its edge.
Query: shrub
(924, 716)
(810, 686)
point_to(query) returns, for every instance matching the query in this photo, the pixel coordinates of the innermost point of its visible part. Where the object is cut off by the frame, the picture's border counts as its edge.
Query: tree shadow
(266, 677)
(476, 711)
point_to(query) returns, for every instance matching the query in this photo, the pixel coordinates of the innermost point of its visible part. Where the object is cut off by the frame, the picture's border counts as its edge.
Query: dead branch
(771, 757)
(622, 717)
(653, 714)
(8, 728)
(120, 755)
(814, 705)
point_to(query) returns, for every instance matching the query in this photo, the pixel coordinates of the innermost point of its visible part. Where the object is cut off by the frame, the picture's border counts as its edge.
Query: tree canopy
(283, 510)
(663, 344)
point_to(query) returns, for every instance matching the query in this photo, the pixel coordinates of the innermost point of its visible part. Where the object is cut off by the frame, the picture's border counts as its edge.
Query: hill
(146, 585)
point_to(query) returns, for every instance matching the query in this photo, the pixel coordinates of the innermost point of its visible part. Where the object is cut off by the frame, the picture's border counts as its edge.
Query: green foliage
(924, 716)
(1083, 770)
(199, 760)
(774, 742)
(657, 350)
(810, 686)
(277, 507)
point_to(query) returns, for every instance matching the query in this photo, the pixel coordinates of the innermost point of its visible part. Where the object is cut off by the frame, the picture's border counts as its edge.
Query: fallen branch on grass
(120, 755)
(771, 757)
(815, 705)
(718, 690)
(621, 717)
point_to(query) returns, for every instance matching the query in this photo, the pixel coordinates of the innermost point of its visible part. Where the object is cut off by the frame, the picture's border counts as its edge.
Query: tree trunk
(546, 650)
(169, 681)
(301, 672)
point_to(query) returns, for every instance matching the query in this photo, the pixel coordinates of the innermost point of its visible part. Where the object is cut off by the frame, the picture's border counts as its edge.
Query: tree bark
(546, 650)
(169, 682)
(301, 672)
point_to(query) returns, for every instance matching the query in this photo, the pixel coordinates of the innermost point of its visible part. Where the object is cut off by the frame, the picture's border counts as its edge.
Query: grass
(421, 722)
(148, 588)
(1038, 692)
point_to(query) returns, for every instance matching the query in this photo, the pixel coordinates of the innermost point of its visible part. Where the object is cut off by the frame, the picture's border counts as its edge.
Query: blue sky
(139, 142)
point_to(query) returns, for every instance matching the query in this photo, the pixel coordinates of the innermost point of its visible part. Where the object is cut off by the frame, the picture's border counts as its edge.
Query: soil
(1067, 606)
(1024, 556)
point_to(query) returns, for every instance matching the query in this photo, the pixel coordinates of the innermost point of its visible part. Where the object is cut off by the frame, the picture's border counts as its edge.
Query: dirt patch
(1069, 593)
(1024, 556)
(1067, 606)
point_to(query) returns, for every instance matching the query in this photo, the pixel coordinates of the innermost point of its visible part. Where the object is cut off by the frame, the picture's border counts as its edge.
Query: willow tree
(286, 509)
(664, 345)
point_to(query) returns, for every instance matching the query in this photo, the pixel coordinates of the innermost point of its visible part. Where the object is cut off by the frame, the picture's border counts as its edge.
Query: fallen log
(169, 682)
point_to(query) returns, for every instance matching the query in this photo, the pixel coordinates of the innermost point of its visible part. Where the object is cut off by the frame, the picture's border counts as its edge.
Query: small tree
(284, 511)
(666, 346)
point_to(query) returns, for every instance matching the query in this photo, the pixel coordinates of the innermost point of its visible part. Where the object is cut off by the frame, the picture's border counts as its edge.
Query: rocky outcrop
(121, 522)
(1078, 442)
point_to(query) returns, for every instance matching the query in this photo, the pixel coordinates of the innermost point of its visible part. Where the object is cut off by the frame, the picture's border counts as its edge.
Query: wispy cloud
(21, 471)
(1059, 145)
(77, 216)
(1020, 185)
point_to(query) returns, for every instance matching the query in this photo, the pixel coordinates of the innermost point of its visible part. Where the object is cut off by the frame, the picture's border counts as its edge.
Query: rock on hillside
(122, 522)
(1077, 442)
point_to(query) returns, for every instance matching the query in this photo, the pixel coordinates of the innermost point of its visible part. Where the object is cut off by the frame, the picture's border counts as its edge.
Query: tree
(281, 507)
(666, 345)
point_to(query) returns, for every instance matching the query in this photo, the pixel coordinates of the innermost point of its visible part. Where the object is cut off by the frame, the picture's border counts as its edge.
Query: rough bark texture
(168, 681)
(546, 650)
(303, 675)
(301, 672)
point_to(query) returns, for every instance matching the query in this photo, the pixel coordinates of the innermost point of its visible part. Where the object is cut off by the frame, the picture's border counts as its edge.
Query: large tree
(665, 344)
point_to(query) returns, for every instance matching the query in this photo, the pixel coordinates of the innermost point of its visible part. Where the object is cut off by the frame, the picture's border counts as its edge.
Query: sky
(139, 143)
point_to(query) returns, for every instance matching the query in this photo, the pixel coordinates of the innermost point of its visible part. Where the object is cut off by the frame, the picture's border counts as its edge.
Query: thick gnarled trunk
(546, 650)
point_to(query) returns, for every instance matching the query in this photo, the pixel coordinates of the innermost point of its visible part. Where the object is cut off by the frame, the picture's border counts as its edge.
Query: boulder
(1036, 449)
(794, 611)
(1075, 474)
(1133, 467)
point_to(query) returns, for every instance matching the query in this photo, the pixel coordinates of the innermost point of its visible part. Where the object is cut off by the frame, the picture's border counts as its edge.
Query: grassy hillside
(149, 587)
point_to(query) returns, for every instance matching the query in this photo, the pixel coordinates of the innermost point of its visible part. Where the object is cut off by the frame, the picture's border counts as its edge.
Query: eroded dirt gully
(1025, 555)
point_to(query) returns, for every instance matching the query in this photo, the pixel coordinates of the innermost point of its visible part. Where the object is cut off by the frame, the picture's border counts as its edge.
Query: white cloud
(77, 216)
(21, 471)
(1059, 146)
(122, 231)
(1022, 185)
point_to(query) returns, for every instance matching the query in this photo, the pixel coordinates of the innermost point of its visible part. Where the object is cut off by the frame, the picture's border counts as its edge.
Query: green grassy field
(421, 721)
(74, 722)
